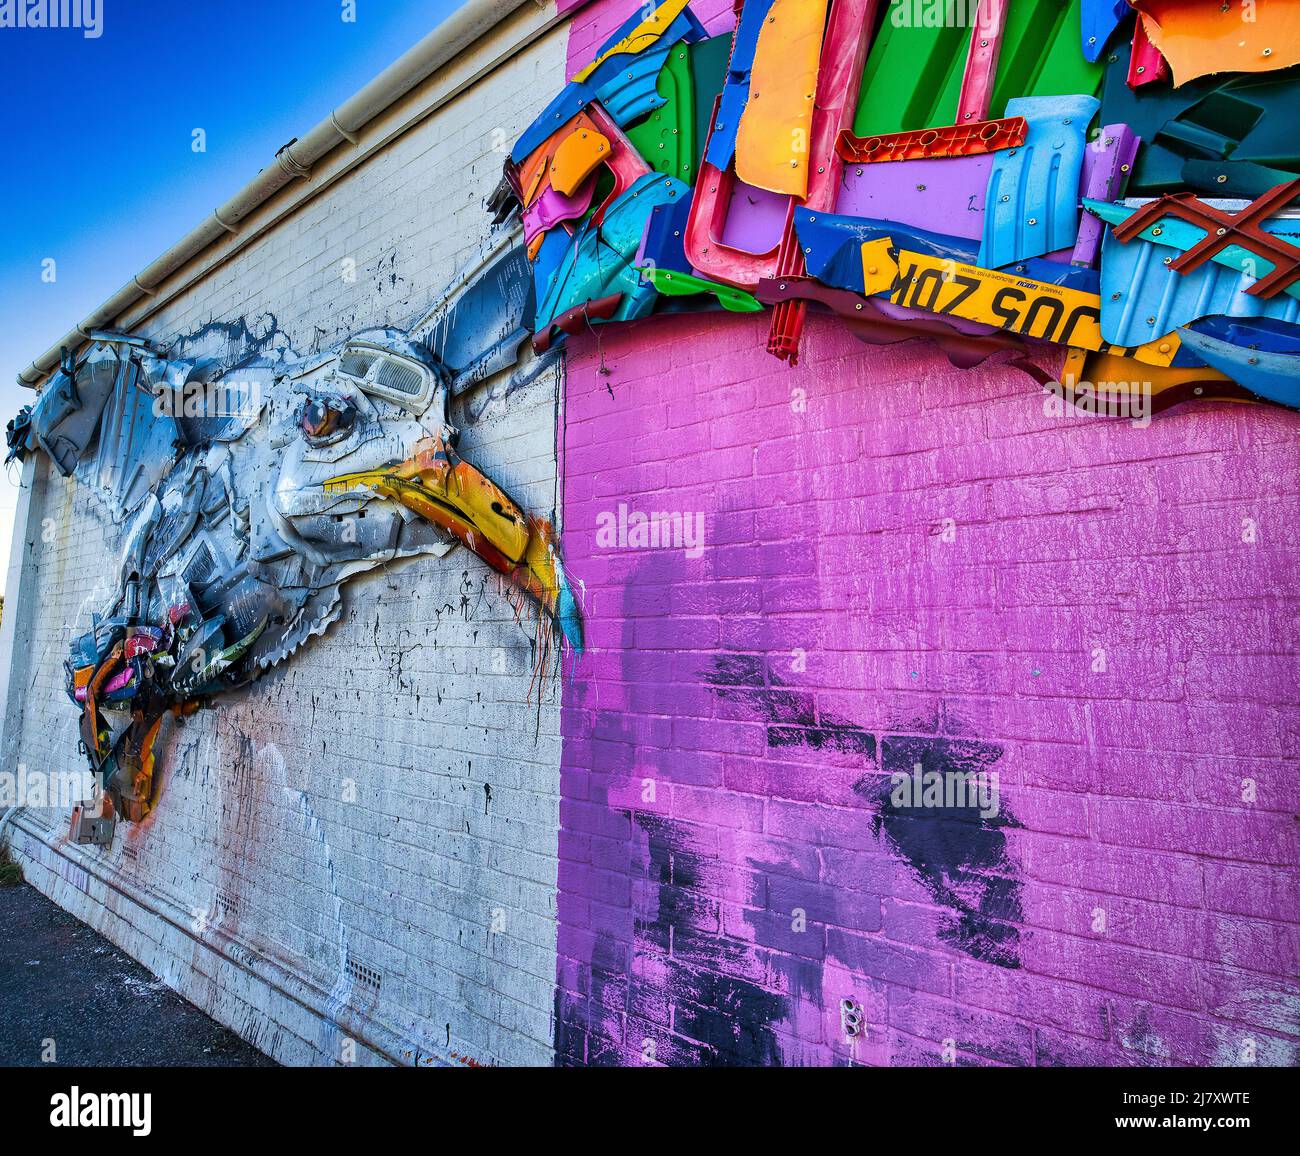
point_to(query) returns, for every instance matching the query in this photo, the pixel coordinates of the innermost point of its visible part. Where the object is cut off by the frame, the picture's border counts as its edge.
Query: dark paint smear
(237, 333)
(957, 853)
(728, 1019)
(721, 1018)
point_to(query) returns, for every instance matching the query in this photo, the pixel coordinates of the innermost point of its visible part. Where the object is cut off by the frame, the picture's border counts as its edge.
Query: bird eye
(322, 422)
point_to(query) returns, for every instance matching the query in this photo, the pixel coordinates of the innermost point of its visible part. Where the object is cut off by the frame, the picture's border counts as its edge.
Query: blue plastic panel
(735, 93)
(1032, 204)
(1099, 18)
(1275, 376)
(832, 250)
(1142, 298)
(599, 261)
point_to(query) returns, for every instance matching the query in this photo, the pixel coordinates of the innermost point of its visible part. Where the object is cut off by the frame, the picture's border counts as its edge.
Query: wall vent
(365, 977)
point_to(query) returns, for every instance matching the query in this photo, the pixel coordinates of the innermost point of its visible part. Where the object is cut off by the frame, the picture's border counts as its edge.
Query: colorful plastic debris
(818, 134)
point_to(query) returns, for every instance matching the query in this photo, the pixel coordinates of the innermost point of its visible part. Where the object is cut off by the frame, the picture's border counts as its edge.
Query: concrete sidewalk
(62, 981)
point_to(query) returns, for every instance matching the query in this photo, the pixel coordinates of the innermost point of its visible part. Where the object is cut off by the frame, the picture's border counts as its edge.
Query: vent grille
(363, 976)
(227, 904)
(403, 378)
(356, 364)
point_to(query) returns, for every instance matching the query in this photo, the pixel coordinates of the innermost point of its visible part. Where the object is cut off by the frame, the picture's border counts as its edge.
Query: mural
(249, 495)
(1065, 171)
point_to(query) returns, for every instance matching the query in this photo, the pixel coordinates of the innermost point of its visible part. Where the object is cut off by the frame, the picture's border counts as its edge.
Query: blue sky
(96, 140)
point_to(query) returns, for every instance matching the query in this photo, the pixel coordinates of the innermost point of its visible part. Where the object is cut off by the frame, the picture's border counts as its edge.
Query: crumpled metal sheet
(479, 323)
(65, 417)
(1033, 191)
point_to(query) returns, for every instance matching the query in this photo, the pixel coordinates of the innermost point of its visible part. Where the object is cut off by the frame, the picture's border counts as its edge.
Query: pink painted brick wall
(908, 563)
(904, 563)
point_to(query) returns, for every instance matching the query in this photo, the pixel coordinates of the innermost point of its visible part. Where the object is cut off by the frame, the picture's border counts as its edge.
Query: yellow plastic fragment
(773, 143)
(1199, 38)
(641, 37)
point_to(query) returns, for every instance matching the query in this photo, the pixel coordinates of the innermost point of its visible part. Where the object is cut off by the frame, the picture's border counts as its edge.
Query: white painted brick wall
(252, 837)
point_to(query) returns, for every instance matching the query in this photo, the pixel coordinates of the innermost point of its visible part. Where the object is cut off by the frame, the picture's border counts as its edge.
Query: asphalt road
(61, 981)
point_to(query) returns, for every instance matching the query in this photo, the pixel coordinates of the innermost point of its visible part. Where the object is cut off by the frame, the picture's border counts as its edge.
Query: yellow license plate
(1018, 304)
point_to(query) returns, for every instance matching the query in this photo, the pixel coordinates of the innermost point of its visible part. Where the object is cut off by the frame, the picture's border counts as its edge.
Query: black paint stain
(249, 340)
(719, 1018)
(957, 851)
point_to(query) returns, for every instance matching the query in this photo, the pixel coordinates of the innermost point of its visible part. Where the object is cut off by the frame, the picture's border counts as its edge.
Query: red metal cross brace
(1224, 229)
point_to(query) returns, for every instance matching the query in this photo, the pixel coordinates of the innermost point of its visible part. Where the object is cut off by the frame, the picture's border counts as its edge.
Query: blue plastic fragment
(565, 105)
(685, 26)
(735, 91)
(1274, 376)
(545, 266)
(626, 85)
(663, 245)
(1032, 205)
(600, 259)
(1142, 299)
(1262, 333)
(1183, 235)
(832, 250)
(1099, 18)
(632, 91)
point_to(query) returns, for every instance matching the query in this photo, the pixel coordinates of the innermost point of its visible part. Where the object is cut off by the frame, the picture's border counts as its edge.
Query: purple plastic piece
(755, 219)
(1107, 164)
(551, 208)
(941, 194)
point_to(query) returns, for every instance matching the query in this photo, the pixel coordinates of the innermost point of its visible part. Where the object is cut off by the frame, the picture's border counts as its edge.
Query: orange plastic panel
(774, 142)
(576, 158)
(1199, 38)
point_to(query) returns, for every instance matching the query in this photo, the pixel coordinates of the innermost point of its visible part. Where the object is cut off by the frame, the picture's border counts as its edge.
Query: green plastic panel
(666, 138)
(913, 74)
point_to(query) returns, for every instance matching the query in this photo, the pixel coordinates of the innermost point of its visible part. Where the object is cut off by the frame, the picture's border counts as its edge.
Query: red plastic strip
(958, 140)
(982, 61)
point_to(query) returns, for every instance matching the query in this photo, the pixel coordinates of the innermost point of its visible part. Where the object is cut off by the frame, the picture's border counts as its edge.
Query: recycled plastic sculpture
(924, 167)
(991, 176)
(250, 494)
